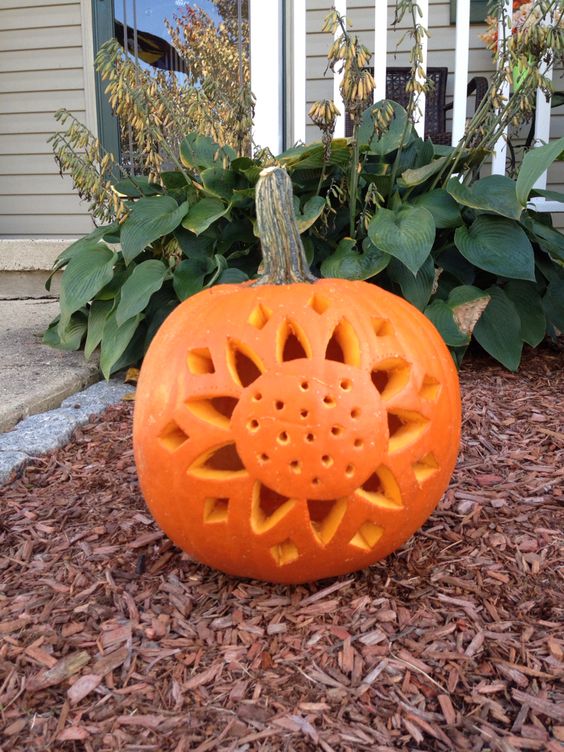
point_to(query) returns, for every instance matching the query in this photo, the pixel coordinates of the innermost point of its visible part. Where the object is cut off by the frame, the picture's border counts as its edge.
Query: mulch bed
(112, 639)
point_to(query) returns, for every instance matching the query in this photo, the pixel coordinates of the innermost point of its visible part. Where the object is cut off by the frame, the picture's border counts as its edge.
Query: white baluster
(461, 50)
(267, 72)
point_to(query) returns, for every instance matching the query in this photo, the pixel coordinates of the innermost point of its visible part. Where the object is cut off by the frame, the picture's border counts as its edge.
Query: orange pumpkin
(293, 429)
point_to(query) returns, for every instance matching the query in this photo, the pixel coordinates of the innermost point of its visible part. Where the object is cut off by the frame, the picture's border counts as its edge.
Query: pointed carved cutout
(268, 508)
(285, 552)
(430, 389)
(405, 427)
(173, 437)
(291, 342)
(244, 365)
(200, 361)
(425, 468)
(319, 303)
(382, 489)
(217, 410)
(382, 328)
(260, 316)
(325, 517)
(219, 463)
(344, 346)
(390, 376)
(216, 510)
(367, 536)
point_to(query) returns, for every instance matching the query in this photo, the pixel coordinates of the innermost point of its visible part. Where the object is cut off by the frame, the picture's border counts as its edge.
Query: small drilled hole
(346, 385)
(257, 397)
(355, 412)
(264, 457)
(336, 430)
(283, 438)
(315, 482)
(304, 413)
(349, 471)
(279, 405)
(304, 386)
(296, 466)
(309, 438)
(326, 460)
(328, 400)
(358, 443)
(253, 425)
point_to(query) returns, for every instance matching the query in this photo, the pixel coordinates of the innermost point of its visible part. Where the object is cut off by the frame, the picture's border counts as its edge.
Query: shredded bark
(113, 639)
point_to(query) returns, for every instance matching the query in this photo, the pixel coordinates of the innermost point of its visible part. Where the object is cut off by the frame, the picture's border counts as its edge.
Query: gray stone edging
(47, 431)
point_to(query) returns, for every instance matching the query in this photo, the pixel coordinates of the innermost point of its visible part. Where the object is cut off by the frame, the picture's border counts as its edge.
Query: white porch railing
(271, 89)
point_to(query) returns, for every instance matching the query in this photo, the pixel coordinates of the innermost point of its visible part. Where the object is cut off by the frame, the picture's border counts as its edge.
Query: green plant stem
(353, 189)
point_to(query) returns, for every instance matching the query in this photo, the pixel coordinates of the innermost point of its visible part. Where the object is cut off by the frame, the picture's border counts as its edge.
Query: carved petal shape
(285, 552)
(344, 345)
(268, 508)
(220, 463)
(200, 361)
(382, 489)
(425, 468)
(244, 364)
(216, 410)
(173, 437)
(291, 342)
(260, 316)
(390, 376)
(430, 389)
(325, 517)
(405, 427)
(367, 536)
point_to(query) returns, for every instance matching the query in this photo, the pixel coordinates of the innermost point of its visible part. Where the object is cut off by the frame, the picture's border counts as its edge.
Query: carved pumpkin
(293, 429)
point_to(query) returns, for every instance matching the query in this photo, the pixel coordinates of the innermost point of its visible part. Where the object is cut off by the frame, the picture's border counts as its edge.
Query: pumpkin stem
(284, 260)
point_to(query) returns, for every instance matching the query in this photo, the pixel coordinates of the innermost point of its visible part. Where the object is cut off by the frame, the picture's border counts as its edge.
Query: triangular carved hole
(245, 366)
(292, 343)
(173, 437)
(382, 489)
(344, 345)
(216, 510)
(319, 303)
(218, 463)
(382, 328)
(285, 552)
(430, 389)
(425, 468)
(217, 410)
(325, 517)
(268, 508)
(260, 316)
(390, 376)
(367, 536)
(405, 427)
(200, 361)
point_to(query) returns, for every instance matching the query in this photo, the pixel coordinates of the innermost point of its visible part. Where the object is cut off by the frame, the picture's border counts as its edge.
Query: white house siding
(440, 53)
(44, 65)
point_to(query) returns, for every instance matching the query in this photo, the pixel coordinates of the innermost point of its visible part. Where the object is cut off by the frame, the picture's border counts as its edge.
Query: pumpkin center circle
(313, 430)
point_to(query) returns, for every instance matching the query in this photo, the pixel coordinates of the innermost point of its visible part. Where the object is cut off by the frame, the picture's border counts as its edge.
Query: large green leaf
(136, 187)
(219, 182)
(97, 317)
(150, 219)
(189, 276)
(495, 193)
(194, 246)
(310, 213)
(553, 303)
(467, 304)
(145, 280)
(200, 152)
(442, 206)
(68, 337)
(114, 341)
(399, 132)
(442, 317)
(347, 263)
(499, 329)
(419, 175)
(526, 299)
(88, 242)
(85, 275)
(416, 289)
(203, 214)
(407, 233)
(535, 162)
(497, 245)
(231, 276)
(549, 239)
(312, 156)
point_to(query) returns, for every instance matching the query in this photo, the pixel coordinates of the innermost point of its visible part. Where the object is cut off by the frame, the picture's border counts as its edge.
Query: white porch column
(267, 72)
(298, 8)
(424, 21)
(380, 47)
(461, 51)
(341, 6)
(500, 153)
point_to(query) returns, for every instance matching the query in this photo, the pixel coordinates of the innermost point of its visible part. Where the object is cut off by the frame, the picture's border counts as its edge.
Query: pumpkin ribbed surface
(292, 433)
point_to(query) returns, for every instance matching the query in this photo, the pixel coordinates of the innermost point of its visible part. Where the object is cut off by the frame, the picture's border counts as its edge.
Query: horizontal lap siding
(41, 71)
(441, 46)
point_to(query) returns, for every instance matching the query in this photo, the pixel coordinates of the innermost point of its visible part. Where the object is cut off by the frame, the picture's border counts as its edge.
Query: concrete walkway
(41, 402)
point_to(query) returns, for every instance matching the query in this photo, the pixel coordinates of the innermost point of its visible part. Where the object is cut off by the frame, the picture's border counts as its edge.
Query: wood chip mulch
(112, 639)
